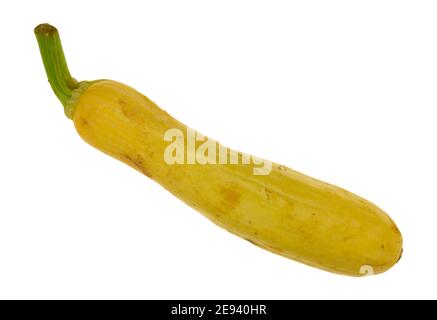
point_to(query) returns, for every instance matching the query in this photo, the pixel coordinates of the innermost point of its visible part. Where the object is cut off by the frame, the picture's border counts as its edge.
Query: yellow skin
(284, 212)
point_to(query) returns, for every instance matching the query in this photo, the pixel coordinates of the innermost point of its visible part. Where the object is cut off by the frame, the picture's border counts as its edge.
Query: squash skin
(285, 212)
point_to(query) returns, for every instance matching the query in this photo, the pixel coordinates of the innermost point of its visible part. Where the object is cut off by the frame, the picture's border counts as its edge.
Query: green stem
(61, 81)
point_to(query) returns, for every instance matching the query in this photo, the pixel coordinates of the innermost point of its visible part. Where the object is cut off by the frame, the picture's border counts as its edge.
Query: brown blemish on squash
(126, 111)
(400, 255)
(124, 108)
(138, 163)
(274, 248)
(268, 193)
(121, 102)
(282, 168)
(347, 238)
(174, 193)
(252, 242)
(83, 121)
(265, 246)
(130, 112)
(231, 196)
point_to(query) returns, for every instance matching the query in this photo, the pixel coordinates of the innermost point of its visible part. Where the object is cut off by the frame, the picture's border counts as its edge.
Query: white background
(345, 91)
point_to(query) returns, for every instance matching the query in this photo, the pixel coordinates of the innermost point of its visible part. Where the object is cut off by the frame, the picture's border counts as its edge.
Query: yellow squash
(280, 210)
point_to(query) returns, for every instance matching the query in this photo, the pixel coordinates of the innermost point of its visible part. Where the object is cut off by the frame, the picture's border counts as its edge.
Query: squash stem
(60, 79)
